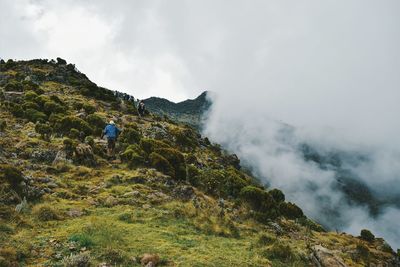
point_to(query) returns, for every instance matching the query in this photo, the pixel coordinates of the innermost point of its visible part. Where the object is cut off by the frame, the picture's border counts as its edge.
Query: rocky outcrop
(323, 257)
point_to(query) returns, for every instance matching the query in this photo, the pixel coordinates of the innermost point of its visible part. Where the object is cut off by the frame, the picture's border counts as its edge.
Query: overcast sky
(331, 68)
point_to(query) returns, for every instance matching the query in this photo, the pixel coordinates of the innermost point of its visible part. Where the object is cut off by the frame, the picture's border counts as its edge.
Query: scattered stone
(146, 206)
(44, 155)
(61, 157)
(134, 193)
(111, 201)
(152, 259)
(84, 154)
(323, 257)
(75, 213)
(184, 192)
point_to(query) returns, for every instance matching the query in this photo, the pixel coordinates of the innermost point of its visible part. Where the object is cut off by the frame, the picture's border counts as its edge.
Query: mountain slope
(170, 192)
(189, 111)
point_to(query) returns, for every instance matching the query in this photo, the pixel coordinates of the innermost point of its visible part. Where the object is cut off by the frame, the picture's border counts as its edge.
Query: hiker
(112, 132)
(141, 108)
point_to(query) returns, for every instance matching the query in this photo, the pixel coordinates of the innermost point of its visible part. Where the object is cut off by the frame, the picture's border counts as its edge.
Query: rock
(84, 155)
(184, 192)
(44, 155)
(134, 193)
(323, 257)
(146, 206)
(152, 259)
(61, 157)
(111, 201)
(75, 213)
(31, 134)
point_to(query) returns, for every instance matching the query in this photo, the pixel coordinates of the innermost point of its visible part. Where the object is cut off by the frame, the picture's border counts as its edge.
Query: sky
(328, 68)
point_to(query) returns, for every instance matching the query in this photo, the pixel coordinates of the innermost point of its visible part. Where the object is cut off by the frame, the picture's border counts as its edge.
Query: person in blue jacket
(111, 131)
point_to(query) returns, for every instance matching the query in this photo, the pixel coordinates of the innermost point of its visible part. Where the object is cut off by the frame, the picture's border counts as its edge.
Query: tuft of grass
(46, 212)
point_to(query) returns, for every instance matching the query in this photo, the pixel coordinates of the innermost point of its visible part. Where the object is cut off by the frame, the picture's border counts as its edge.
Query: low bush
(161, 164)
(193, 175)
(3, 126)
(53, 107)
(149, 145)
(12, 176)
(290, 210)
(13, 86)
(30, 105)
(89, 109)
(176, 160)
(70, 122)
(277, 195)
(73, 133)
(257, 198)
(44, 130)
(31, 96)
(34, 115)
(367, 235)
(133, 155)
(130, 135)
(96, 122)
(185, 138)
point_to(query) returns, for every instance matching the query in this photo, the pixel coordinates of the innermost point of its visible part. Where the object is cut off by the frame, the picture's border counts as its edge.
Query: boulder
(149, 259)
(323, 257)
(184, 192)
(84, 155)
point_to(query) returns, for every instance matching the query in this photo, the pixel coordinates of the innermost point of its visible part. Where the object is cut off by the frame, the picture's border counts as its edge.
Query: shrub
(211, 181)
(34, 115)
(89, 109)
(89, 140)
(233, 183)
(362, 251)
(130, 136)
(30, 105)
(290, 210)
(193, 175)
(3, 126)
(53, 107)
(176, 160)
(149, 145)
(13, 86)
(44, 130)
(367, 235)
(133, 155)
(97, 122)
(16, 110)
(70, 122)
(69, 146)
(56, 99)
(12, 175)
(277, 195)
(125, 217)
(259, 199)
(61, 61)
(30, 95)
(74, 133)
(185, 138)
(45, 212)
(161, 164)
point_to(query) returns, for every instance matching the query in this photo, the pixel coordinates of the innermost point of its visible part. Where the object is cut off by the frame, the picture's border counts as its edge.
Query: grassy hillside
(170, 198)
